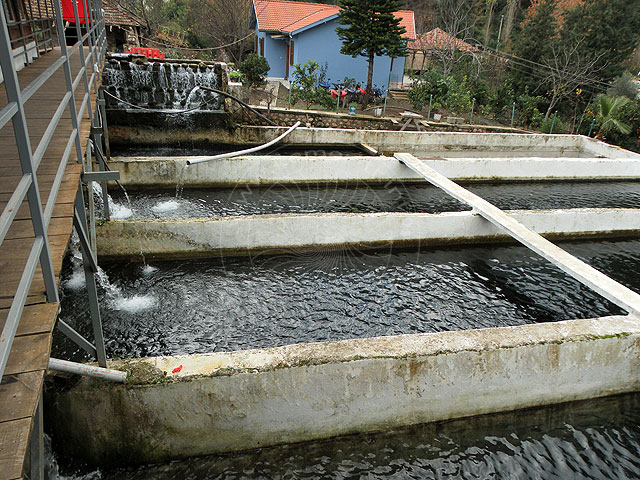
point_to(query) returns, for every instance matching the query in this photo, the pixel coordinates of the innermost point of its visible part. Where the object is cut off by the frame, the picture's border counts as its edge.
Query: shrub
(305, 80)
(254, 68)
(426, 85)
(624, 86)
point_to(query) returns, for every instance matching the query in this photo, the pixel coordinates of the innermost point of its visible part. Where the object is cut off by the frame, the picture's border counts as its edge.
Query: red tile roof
(438, 39)
(287, 16)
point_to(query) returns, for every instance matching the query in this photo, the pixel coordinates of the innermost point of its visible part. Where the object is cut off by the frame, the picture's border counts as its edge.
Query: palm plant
(608, 108)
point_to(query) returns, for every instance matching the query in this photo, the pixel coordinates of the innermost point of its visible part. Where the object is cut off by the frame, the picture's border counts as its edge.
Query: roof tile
(287, 16)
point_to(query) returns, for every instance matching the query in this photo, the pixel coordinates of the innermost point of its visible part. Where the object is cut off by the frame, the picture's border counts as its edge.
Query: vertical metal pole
(23, 145)
(92, 291)
(386, 95)
(593, 122)
(473, 105)
(24, 41)
(67, 77)
(290, 90)
(37, 445)
(429, 111)
(513, 113)
(499, 33)
(553, 122)
(105, 127)
(83, 63)
(89, 24)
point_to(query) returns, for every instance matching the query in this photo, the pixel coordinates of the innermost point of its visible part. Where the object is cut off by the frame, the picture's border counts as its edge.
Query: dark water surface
(197, 306)
(594, 439)
(197, 149)
(367, 198)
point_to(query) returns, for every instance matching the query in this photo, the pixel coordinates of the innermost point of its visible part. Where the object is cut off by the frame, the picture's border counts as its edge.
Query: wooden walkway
(22, 383)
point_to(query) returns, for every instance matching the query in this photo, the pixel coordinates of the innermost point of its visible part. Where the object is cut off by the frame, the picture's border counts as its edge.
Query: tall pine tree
(371, 29)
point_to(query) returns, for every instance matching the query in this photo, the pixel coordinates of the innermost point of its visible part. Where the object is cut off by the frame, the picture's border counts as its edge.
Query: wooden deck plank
(20, 388)
(38, 318)
(13, 256)
(29, 353)
(19, 395)
(14, 438)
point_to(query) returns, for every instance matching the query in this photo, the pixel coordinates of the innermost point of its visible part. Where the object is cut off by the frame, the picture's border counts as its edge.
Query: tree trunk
(369, 88)
(509, 19)
(487, 27)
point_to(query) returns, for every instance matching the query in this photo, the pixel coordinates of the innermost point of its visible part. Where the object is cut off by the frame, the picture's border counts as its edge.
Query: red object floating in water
(177, 369)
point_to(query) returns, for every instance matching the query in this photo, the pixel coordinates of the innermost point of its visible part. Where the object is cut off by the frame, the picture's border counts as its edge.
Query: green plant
(458, 98)
(305, 80)
(254, 68)
(608, 110)
(371, 28)
(624, 86)
(431, 84)
(558, 125)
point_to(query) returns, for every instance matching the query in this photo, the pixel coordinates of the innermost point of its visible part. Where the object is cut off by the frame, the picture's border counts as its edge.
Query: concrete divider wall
(272, 234)
(225, 402)
(446, 144)
(265, 170)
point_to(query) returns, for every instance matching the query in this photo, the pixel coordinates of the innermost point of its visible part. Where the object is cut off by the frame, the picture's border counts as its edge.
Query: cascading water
(160, 85)
(116, 299)
(118, 211)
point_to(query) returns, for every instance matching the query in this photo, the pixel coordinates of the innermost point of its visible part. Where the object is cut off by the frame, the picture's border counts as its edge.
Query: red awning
(67, 11)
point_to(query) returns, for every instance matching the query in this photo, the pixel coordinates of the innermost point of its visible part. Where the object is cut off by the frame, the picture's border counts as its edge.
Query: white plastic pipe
(244, 152)
(87, 370)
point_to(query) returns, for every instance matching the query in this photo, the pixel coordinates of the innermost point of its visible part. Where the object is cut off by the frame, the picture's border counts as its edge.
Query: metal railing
(38, 40)
(14, 111)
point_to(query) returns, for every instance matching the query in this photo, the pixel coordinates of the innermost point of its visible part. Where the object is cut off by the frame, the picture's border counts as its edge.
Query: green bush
(558, 126)
(254, 68)
(458, 97)
(431, 83)
(527, 112)
(305, 80)
(623, 86)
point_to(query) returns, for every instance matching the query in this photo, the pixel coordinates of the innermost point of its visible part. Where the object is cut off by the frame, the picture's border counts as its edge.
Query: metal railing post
(23, 145)
(37, 445)
(94, 306)
(90, 25)
(102, 106)
(83, 62)
(68, 78)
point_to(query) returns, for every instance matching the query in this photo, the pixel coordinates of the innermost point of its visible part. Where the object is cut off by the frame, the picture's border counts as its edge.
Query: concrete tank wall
(272, 234)
(226, 402)
(264, 170)
(419, 143)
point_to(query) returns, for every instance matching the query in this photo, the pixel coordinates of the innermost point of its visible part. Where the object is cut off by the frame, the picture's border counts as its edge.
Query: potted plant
(352, 108)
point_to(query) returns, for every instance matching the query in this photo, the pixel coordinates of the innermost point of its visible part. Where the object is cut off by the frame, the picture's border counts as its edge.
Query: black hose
(273, 124)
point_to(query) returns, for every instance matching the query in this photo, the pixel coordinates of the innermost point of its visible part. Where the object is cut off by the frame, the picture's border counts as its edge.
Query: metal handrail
(14, 110)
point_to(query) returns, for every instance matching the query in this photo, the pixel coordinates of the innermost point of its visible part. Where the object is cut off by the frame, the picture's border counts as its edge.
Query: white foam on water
(119, 212)
(135, 304)
(76, 281)
(149, 270)
(168, 206)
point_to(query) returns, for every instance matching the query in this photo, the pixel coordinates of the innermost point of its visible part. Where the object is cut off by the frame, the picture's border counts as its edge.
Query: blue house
(289, 33)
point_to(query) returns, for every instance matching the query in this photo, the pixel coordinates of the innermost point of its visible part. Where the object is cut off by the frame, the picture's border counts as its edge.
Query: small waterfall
(181, 180)
(117, 210)
(114, 296)
(161, 85)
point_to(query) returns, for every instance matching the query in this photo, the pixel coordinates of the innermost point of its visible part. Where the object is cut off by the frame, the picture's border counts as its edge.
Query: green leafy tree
(608, 112)
(371, 29)
(611, 31)
(534, 42)
(305, 80)
(254, 68)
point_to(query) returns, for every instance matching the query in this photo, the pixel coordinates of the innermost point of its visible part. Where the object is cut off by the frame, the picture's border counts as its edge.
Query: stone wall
(319, 119)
